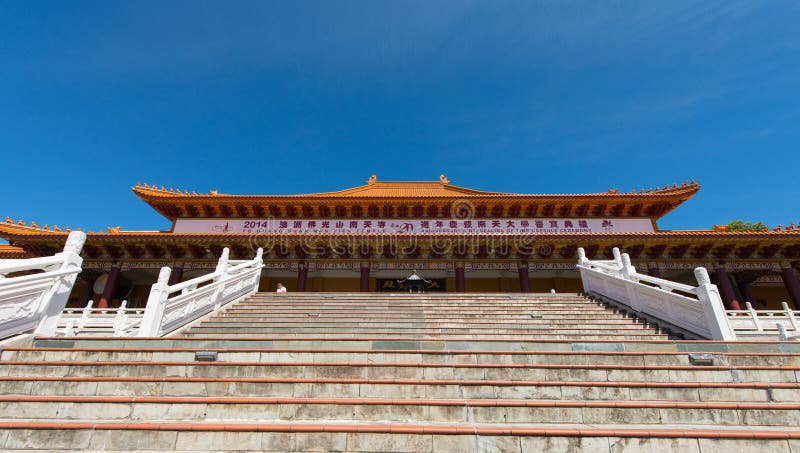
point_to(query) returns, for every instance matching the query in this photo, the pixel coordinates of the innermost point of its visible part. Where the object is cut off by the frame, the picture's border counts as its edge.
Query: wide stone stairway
(402, 372)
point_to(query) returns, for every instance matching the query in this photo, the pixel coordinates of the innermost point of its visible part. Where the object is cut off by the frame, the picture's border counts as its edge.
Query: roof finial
(443, 179)
(372, 180)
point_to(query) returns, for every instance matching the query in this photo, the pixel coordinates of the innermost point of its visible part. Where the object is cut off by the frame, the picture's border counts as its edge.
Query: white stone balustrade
(231, 280)
(119, 322)
(695, 309)
(35, 301)
(753, 321)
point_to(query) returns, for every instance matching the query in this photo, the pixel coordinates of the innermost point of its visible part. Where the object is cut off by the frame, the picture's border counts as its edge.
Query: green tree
(739, 225)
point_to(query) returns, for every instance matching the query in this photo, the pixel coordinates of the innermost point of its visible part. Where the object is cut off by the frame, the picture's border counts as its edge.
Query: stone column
(302, 273)
(524, 282)
(110, 288)
(653, 270)
(726, 289)
(791, 283)
(460, 283)
(364, 287)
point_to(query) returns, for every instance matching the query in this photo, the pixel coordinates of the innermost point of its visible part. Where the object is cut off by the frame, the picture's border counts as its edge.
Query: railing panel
(618, 281)
(230, 281)
(35, 301)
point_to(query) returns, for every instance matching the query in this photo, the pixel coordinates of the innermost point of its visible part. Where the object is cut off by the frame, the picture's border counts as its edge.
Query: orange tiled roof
(12, 252)
(407, 189)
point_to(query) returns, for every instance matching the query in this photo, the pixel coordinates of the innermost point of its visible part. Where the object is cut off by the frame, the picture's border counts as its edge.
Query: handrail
(10, 282)
(34, 302)
(119, 322)
(13, 265)
(702, 314)
(230, 281)
(751, 320)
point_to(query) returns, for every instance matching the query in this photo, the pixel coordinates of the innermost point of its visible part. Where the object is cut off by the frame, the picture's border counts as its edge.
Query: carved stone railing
(696, 309)
(170, 307)
(778, 322)
(119, 322)
(34, 302)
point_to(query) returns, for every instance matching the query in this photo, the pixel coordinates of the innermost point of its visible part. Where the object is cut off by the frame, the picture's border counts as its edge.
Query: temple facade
(369, 237)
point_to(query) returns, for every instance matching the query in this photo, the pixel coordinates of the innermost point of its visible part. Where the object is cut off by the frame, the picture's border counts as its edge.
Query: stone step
(424, 329)
(433, 344)
(763, 392)
(521, 327)
(372, 437)
(389, 370)
(394, 356)
(455, 337)
(267, 409)
(456, 321)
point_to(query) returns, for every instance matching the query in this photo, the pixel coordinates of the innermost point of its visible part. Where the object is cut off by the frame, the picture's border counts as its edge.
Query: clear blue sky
(290, 97)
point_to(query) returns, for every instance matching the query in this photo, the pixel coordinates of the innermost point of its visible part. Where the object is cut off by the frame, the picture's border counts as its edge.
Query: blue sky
(292, 97)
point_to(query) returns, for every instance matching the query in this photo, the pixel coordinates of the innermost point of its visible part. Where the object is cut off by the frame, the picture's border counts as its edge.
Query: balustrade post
(119, 319)
(715, 317)
(753, 315)
(56, 299)
(581, 256)
(69, 330)
(85, 314)
(627, 272)
(259, 262)
(617, 256)
(154, 310)
(222, 271)
(790, 315)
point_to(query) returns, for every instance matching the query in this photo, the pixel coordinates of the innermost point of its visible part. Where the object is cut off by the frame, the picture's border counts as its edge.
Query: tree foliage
(739, 225)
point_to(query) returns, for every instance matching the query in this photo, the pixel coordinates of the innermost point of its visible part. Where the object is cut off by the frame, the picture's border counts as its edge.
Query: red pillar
(110, 288)
(176, 276)
(88, 291)
(460, 284)
(524, 282)
(653, 271)
(364, 288)
(744, 290)
(302, 274)
(791, 283)
(726, 289)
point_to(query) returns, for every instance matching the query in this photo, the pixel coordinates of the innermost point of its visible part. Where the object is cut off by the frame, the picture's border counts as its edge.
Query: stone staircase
(400, 372)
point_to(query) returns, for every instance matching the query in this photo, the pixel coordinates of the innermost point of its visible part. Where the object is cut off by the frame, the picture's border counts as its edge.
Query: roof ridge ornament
(443, 180)
(372, 180)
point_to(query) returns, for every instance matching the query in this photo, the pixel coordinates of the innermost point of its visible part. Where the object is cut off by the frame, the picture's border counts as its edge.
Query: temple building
(370, 237)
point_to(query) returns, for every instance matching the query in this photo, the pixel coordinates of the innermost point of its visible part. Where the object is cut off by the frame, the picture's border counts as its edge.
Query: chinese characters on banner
(414, 226)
